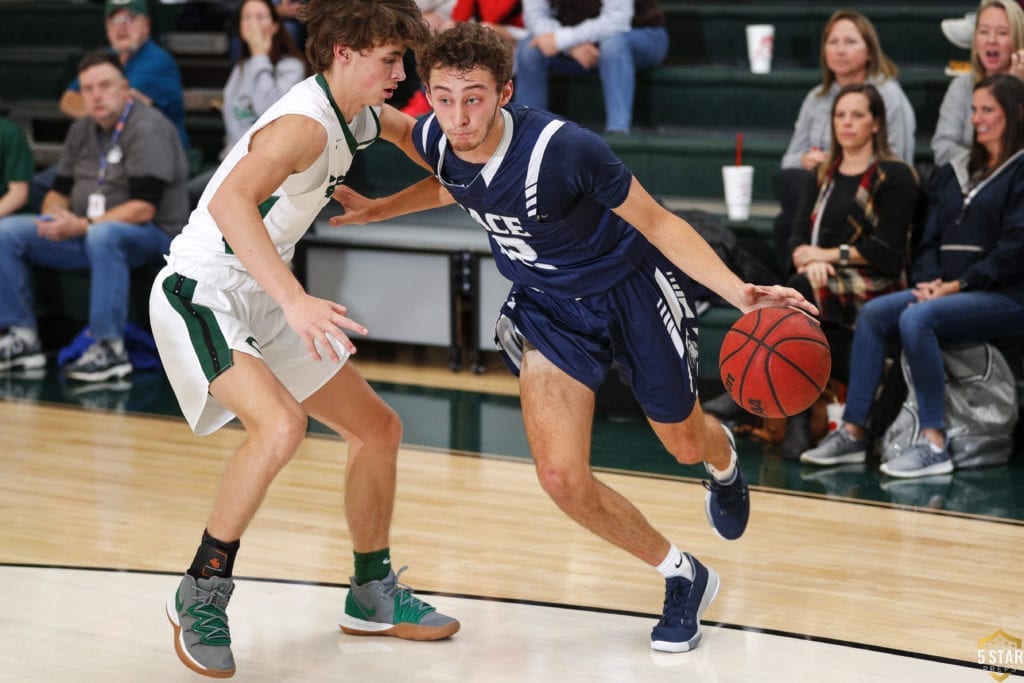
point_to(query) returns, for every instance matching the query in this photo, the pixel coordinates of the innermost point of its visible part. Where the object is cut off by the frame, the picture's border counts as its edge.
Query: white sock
(676, 564)
(725, 475)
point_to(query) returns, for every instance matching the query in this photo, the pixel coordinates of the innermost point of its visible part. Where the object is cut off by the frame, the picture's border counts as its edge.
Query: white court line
(72, 625)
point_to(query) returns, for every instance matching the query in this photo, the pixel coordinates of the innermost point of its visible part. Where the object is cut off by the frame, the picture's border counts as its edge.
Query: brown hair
(360, 25)
(1008, 91)
(91, 59)
(879, 66)
(879, 139)
(464, 47)
(281, 43)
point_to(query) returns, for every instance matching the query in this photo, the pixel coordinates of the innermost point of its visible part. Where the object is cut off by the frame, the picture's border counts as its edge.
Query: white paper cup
(738, 182)
(760, 44)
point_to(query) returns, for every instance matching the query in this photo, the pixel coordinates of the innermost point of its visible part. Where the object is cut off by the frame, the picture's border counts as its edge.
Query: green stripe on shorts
(207, 340)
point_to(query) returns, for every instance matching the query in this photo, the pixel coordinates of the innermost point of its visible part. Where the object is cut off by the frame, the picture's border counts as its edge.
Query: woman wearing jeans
(969, 279)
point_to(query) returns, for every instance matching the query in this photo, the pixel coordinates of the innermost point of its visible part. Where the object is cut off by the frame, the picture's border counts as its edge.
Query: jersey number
(515, 249)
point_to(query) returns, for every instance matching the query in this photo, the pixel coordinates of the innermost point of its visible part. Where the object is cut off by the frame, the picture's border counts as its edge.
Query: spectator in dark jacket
(969, 285)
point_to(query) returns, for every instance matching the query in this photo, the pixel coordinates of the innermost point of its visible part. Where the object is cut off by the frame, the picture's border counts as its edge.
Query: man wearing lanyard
(119, 198)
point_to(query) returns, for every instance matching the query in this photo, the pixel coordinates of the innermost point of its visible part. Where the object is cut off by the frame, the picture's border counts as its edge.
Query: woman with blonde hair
(998, 48)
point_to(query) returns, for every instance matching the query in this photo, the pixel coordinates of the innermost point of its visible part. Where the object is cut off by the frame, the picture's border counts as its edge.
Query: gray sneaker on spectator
(918, 461)
(837, 448)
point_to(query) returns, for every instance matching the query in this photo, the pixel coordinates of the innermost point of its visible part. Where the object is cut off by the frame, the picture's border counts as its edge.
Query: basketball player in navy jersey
(602, 273)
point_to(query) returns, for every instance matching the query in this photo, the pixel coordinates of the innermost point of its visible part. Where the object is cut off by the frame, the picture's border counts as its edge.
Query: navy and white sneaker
(20, 350)
(104, 361)
(685, 602)
(727, 505)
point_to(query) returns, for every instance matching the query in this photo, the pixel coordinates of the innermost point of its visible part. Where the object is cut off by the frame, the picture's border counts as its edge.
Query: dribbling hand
(763, 296)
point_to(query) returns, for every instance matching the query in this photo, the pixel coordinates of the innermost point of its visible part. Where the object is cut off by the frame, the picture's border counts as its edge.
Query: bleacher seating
(687, 112)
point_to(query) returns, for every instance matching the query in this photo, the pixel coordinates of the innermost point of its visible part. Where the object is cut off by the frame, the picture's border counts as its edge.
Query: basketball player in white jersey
(239, 337)
(601, 273)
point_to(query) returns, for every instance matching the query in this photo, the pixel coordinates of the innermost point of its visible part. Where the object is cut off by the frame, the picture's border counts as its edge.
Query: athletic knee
(565, 486)
(281, 437)
(388, 432)
(382, 433)
(689, 444)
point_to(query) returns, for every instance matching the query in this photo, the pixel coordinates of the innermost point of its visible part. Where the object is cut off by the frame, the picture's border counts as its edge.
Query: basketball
(775, 362)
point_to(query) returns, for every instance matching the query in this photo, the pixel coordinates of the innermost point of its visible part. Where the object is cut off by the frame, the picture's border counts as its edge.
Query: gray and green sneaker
(388, 608)
(201, 636)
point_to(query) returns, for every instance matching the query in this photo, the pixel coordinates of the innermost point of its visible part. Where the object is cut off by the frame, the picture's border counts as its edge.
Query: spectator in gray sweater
(267, 68)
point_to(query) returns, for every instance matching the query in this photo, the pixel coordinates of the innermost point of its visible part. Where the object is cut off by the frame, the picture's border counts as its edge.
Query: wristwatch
(844, 255)
(963, 285)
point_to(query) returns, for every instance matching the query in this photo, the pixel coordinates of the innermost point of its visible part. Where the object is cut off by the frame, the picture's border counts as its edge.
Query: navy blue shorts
(645, 324)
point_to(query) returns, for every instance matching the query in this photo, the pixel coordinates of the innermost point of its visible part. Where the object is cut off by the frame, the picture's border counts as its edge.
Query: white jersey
(200, 252)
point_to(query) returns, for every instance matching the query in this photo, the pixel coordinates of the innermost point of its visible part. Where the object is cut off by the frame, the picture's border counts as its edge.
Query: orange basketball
(775, 362)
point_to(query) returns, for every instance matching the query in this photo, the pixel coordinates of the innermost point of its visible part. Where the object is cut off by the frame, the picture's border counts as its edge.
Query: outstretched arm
(359, 210)
(684, 246)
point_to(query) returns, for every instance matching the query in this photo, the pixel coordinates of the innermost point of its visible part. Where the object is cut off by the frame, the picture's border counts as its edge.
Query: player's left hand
(358, 208)
(763, 296)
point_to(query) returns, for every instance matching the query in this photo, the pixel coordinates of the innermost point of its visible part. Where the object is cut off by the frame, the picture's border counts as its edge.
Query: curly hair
(360, 25)
(464, 47)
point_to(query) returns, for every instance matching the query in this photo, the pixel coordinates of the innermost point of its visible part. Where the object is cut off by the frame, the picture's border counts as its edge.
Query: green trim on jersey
(266, 205)
(353, 144)
(204, 333)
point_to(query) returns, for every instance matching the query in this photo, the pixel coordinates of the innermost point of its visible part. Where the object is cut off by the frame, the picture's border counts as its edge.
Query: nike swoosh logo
(680, 562)
(368, 612)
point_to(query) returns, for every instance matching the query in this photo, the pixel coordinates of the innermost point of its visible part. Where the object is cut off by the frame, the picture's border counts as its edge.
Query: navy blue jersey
(545, 200)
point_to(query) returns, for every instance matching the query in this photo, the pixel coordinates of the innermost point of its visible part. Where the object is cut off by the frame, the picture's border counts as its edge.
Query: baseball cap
(960, 30)
(135, 6)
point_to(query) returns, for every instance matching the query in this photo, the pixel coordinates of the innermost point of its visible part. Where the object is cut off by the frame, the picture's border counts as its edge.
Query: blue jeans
(110, 250)
(920, 328)
(622, 55)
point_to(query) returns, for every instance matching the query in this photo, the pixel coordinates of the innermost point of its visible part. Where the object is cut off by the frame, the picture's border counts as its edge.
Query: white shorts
(197, 327)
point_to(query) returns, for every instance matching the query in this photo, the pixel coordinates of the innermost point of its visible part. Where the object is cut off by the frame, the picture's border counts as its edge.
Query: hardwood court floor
(818, 588)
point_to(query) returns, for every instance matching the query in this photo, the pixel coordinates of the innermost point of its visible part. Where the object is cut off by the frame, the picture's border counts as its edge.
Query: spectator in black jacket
(969, 285)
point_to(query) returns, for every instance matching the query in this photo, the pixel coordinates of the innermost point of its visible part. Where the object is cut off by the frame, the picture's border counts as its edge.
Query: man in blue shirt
(152, 72)
(601, 274)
